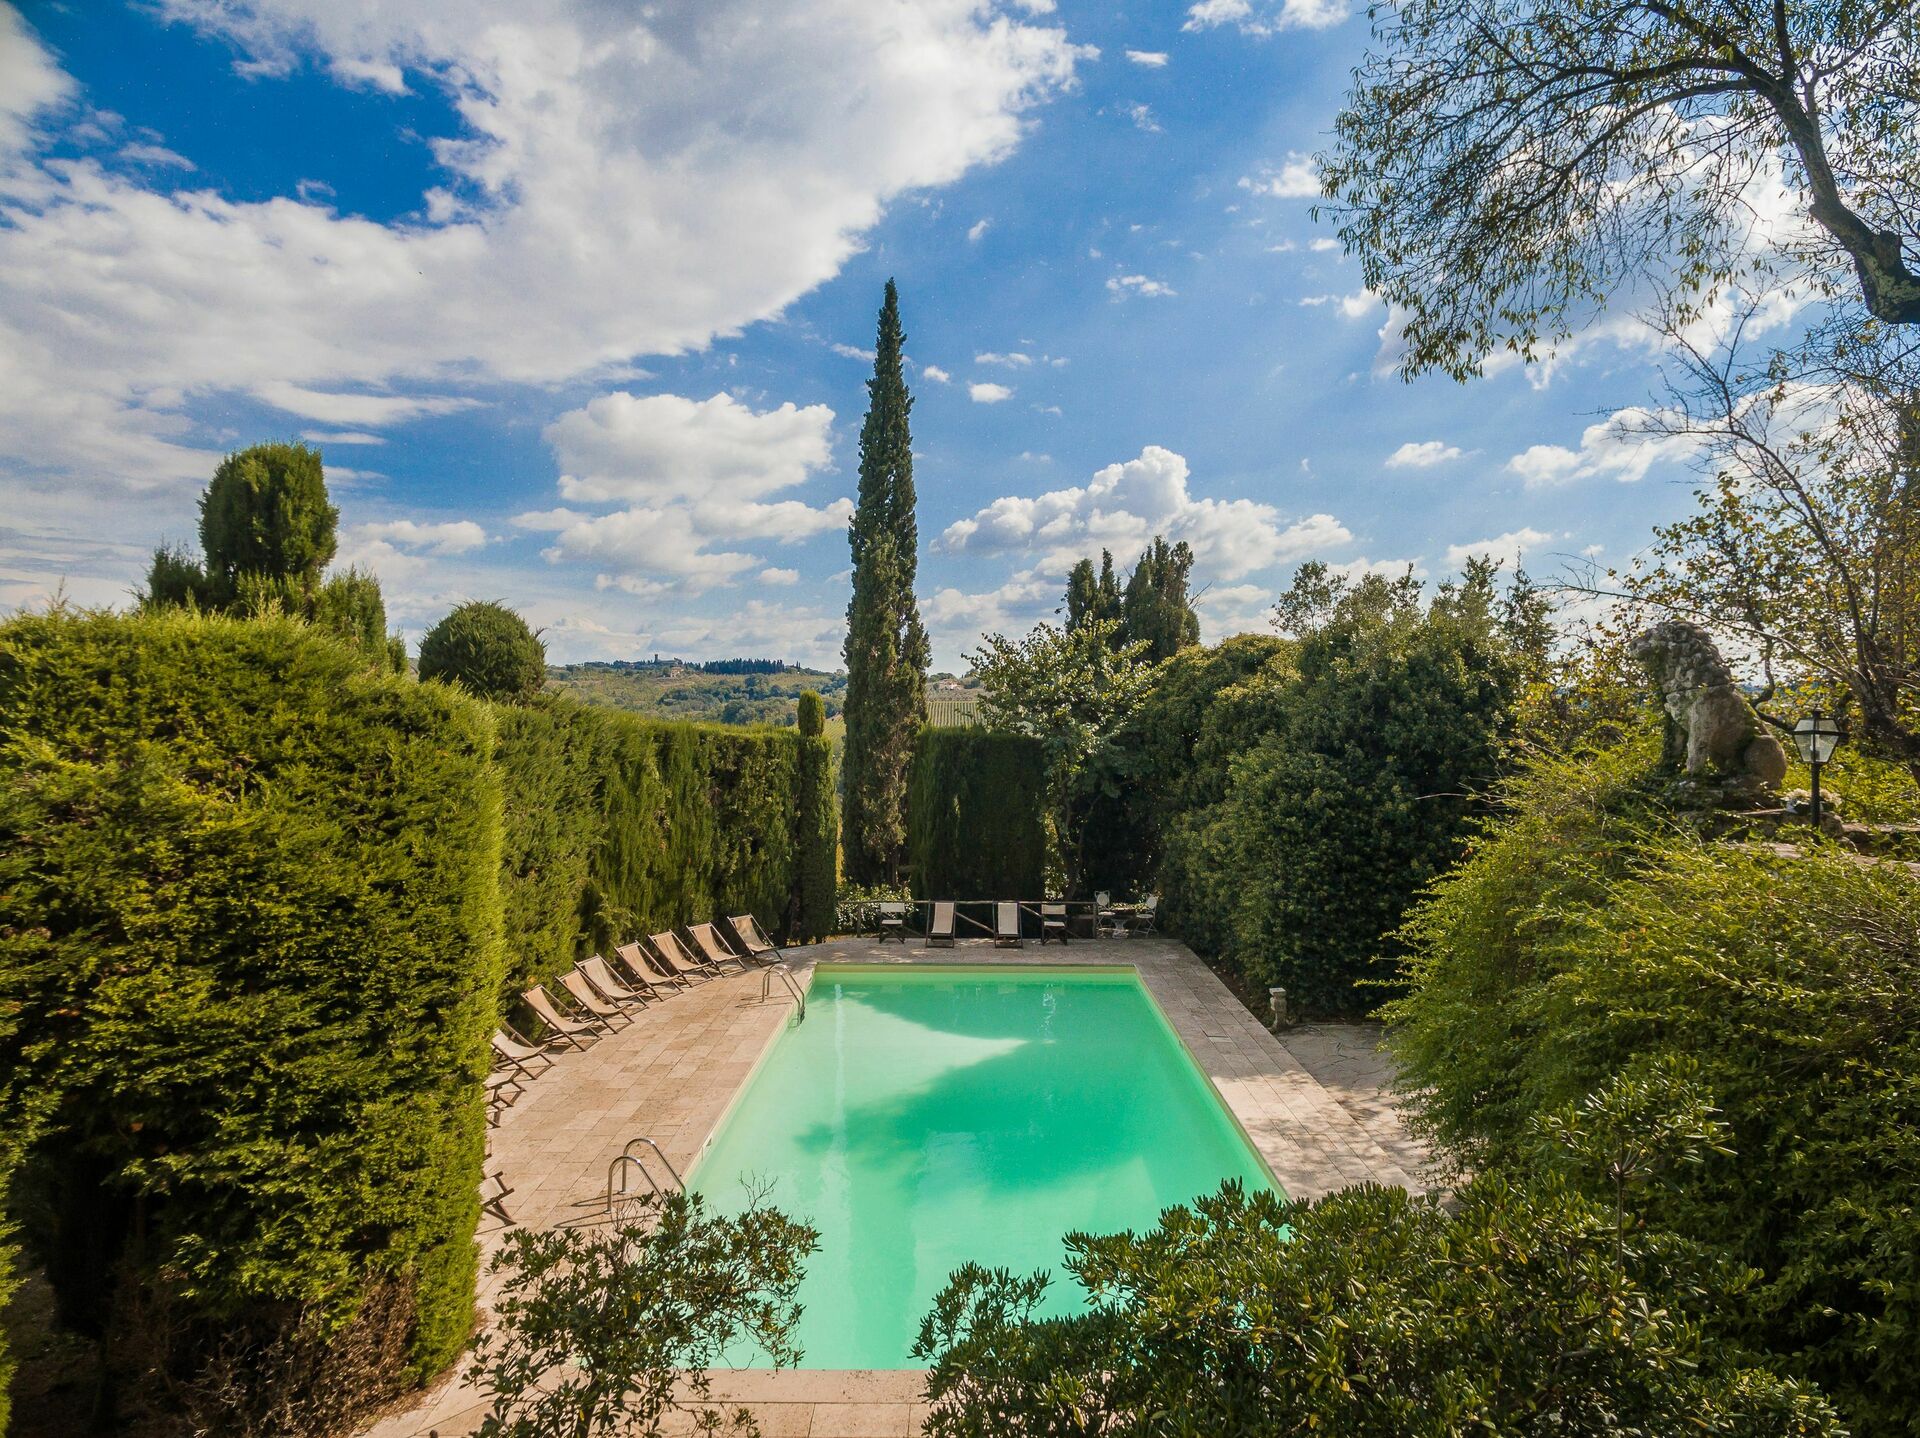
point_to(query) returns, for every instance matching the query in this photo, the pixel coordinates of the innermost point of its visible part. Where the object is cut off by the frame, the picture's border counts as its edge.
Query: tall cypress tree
(887, 652)
(1157, 608)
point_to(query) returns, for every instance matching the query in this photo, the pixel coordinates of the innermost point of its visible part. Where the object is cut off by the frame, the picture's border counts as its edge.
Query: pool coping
(677, 1071)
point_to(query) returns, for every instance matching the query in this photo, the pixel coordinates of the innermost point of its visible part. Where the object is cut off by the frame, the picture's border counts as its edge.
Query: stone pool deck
(672, 1073)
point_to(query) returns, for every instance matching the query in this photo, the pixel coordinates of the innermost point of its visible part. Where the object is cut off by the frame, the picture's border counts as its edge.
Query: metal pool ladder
(798, 994)
(618, 1170)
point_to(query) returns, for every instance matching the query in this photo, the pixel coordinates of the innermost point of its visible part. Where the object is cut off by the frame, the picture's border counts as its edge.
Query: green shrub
(976, 815)
(1529, 1310)
(488, 650)
(816, 826)
(266, 513)
(1595, 929)
(552, 754)
(1350, 771)
(249, 958)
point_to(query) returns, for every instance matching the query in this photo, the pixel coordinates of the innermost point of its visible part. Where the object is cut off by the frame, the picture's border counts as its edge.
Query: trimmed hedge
(618, 825)
(249, 960)
(816, 828)
(976, 815)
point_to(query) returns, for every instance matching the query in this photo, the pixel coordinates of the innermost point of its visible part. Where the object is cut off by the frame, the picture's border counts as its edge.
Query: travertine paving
(672, 1073)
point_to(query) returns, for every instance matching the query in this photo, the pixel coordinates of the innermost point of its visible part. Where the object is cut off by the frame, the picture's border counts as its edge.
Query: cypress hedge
(249, 960)
(816, 827)
(976, 807)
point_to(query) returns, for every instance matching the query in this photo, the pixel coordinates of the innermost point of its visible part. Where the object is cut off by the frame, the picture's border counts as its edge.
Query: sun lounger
(607, 984)
(573, 1031)
(755, 939)
(713, 950)
(581, 992)
(512, 1051)
(668, 950)
(890, 918)
(503, 1087)
(940, 926)
(648, 969)
(1053, 923)
(1006, 925)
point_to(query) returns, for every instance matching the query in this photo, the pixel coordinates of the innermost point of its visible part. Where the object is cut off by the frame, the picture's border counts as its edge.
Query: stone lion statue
(1711, 729)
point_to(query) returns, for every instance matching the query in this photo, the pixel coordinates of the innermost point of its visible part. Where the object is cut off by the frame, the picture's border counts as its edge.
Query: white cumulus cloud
(986, 392)
(1122, 285)
(1148, 59)
(1295, 179)
(1423, 454)
(1124, 505)
(1618, 447)
(1266, 18)
(1510, 547)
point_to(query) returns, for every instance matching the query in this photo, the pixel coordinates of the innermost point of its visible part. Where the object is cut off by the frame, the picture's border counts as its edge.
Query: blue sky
(573, 294)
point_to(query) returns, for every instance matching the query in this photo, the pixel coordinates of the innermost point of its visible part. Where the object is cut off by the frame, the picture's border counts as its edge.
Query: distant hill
(715, 693)
(733, 691)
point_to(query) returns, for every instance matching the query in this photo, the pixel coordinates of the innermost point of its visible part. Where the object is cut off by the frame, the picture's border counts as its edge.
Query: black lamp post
(1816, 737)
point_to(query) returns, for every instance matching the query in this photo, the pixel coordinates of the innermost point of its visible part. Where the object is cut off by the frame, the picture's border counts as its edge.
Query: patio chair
(1106, 923)
(755, 939)
(607, 984)
(713, 949)
(650, 969)
(493, 1196)
(512, 1051)
(1145, 922)
(1053, 923)
(1006, 925)
(572, 1031)
(940, 927)
(890, 918)
(678, 957)
(587, 1001)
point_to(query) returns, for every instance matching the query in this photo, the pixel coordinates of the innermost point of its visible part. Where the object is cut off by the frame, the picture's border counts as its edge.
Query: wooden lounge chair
(1053, 923)
(713, 950)
(755, 939)
(1144, 921)
(582, 994)
(493, 1196)
(648, 969)
(890, 918)
(669, 951)
(608, 985)
(1006, 925)
(512, 1051)
(572, 1031)
(940, 927)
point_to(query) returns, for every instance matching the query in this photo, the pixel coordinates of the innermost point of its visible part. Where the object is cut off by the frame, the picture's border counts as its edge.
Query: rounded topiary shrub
(488, 650)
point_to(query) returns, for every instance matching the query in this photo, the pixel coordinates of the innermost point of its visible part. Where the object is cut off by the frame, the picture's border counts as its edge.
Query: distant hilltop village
(669, 667)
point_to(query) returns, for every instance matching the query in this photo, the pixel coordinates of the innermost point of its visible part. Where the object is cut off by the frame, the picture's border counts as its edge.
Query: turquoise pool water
(923, 1117)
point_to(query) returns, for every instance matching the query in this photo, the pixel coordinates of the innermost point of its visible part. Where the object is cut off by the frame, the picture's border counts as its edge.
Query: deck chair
(1053, 923)
(713, 950)
(647, 969)
(755, 939)
(890, 918)
(940, 927)
(572, 1031)
(493, 1196)
(668, 949)
(1144, 921)
(1105, 921)
(582, 994)
(512, 1051)
(607, 984)
(1006, 925)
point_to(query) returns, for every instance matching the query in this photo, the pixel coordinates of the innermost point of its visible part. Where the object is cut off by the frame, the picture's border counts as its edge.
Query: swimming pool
(923, 1116)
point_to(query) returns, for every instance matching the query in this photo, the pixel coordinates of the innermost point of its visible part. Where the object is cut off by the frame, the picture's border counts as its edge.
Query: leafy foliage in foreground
(1545, 1309)
(249, 953)
(598, 1329)
(1595, 929)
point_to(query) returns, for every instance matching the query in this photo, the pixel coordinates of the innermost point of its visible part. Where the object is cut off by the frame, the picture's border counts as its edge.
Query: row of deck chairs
(599, 995)
(891, 919)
